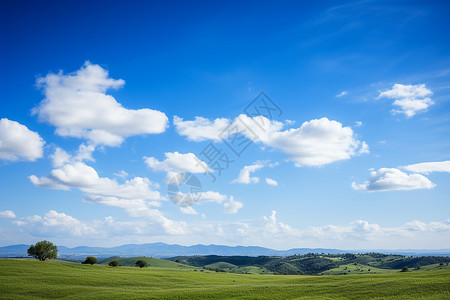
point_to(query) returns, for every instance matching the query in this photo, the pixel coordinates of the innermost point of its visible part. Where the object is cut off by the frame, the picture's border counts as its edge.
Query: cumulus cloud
(391, 179)
(201, 129)
(244, 175)
(232, 206)
(60, 157)
(78, 106)
(81, 176)
(315, 143)
(273, 227)
(428, 167)
(136, 195)
(271, 181)
(9, 214)
(411, 99)
(17, 142)
(178, 162)
(57, 224)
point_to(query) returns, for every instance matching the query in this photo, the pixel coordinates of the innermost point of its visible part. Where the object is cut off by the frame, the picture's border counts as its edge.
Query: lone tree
(405, 269)
(114, 263)
(90, 260)
(43, 250)
(141, 263)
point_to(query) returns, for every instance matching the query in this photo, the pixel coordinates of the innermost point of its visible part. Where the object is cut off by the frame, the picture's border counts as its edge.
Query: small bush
(114, 263)
(90, 260)
(141, 263)
(405, 269)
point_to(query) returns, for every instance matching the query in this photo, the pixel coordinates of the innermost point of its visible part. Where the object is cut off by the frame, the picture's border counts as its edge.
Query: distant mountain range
(163, 250)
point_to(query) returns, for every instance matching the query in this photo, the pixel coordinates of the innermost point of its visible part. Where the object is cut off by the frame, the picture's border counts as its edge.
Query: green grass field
(432, 267)
(21, 279)
(151, 262)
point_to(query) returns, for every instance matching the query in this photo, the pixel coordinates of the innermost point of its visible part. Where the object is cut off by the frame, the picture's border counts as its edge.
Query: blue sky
(104, 103)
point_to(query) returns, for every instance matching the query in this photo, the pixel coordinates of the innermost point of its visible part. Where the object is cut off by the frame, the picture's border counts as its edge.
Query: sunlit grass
(33, 279)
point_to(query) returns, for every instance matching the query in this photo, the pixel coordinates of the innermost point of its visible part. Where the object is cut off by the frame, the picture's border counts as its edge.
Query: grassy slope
(236, 269)
(249, 270)
(351, 269)
(151, 262)
(31, 279)
(432, 267)
(220, 265)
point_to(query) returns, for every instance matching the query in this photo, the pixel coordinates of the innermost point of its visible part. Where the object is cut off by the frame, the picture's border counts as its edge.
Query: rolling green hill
(220, 265)
(315, 264)
(151, 262)
(25, 279)
(355, 268)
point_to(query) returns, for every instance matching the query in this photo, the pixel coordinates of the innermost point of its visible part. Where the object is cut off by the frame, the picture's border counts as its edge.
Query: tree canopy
(114, 263)
(43, 250)
(141, 263)
(91, 260)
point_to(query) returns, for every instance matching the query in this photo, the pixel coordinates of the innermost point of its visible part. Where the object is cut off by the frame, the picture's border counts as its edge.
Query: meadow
(30, 279)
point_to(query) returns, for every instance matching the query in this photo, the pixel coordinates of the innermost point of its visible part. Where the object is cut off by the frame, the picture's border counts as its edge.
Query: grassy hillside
(220, 265)
(316, 264)
(33, 279)
(151, 262)
(355, 268)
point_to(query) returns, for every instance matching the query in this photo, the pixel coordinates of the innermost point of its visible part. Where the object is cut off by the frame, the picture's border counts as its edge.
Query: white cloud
(7, 214)
(77, 104)
(17, 142)
(411, 99)
(60, 225)
(315, 143)
(211, 196)
(267, 231)
(343, 93)
(272, 227)
(271, 181)
(182, 199)
(136, 195)
(391, 179)
(178, 162)
(232, 206)
(201, 128)
(428, 167)
(122, 174)
(364, 148)
(188, 210)
(56, 224)
(61, 157)
(81, 176)
(244, 174)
